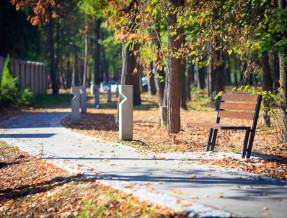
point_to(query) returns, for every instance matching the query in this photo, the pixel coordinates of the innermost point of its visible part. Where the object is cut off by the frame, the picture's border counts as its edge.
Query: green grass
(49, 99)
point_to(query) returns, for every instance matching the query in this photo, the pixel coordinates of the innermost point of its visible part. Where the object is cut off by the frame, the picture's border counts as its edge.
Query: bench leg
(214, 139)
(244, 149)
(209, 139)
(249, 149)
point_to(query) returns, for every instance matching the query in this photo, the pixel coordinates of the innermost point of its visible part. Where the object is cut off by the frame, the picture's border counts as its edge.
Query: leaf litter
(32, 187)
(34, 194)
(148, 136)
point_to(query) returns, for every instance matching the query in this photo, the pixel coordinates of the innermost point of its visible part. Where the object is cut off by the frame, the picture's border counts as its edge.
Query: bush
(9, 90)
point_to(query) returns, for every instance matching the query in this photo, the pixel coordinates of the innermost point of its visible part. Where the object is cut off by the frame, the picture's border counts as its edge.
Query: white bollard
(75, 104)
(83, 99)
(97, 96)
(109, 93)
(92, 88)
(126, 113)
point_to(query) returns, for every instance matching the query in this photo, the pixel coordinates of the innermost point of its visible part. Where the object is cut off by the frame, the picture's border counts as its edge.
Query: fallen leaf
(192, 176)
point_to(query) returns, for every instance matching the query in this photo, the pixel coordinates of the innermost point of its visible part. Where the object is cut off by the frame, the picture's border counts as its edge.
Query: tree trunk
(189, 80)
(76, 71)
(151, 82)
(129, 64)
(201, 78)
(266, 85)
(104, 63)
(97, 52)
(275, 71)
(219, 74)
(69, 73)
(62, 76)
(210, 76)
(183, 85)
(160, 80)
(283, 85)
(129, 69)
(235, 71)
(137, 86)
(53, 75)
(227, 69)
(173, 86)
(160, 83)
(60, 81)
(163, 107)
(85, 54)
(81, 70)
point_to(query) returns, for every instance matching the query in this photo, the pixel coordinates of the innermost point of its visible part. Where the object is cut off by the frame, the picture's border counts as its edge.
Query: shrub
(9, 90)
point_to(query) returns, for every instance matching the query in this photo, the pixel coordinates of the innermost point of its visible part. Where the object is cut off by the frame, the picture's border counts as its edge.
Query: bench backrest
(240, 106)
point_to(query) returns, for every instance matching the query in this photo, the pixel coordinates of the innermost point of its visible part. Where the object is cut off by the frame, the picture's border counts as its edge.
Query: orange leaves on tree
(42, 9)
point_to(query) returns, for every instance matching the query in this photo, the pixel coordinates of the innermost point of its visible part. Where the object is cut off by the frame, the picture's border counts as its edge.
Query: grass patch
(49, 99)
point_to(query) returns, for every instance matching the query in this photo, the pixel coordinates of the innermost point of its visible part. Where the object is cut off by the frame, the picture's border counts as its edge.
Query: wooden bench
(235, 106)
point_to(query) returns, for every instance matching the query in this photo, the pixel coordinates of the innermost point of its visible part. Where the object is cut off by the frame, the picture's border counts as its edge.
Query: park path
(173, 180)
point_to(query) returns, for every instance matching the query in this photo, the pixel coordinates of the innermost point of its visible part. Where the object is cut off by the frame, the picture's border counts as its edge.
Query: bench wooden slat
(239, 97)
(218, 126)
(237, 106)
(236, 115)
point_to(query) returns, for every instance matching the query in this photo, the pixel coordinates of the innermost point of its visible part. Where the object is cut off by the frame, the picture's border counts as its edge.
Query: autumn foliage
(42, 9)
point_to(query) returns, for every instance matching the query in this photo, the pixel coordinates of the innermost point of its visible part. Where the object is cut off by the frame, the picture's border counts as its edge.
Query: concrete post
(75, 105)
(126, 113)
(109, 93)
(83, 99)
(92, 87)
(97, 96)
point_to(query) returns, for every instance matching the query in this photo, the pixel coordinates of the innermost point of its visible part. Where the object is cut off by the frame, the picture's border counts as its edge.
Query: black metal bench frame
(235, 106)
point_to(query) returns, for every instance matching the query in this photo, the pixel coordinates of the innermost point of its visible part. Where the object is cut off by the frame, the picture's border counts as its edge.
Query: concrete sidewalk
(166, 179)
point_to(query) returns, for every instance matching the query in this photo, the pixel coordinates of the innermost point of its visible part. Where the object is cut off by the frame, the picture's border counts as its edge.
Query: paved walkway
(167, 179)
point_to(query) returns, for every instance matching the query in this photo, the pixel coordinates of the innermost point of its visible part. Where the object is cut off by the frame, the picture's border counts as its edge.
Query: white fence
(30, 74)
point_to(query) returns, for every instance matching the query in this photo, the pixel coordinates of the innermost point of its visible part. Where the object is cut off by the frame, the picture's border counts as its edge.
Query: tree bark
(53, 75)
(60, 81)
(129, 70)
(76, 70)
(173, 86)
(219, 74)
(160, 83)
(235, 64)
(97, 52)
(189, 80)
(283, 85)
(183, 85)
(104, 63)
(137, 86)
(227, 69)
(275, 71)
(210, 74)
(85, 54)
(201, 78)
(151, 82)
(69, 72)
(266, 85)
